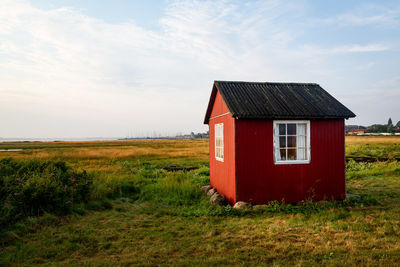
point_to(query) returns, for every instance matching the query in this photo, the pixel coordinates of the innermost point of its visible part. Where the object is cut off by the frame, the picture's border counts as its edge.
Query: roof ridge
(303, 83)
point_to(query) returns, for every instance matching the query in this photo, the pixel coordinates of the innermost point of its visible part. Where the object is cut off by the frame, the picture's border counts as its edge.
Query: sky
(71, 68)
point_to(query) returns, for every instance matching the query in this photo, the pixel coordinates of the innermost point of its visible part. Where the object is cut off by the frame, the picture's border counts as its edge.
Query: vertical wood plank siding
(259, 180)
(222, 174)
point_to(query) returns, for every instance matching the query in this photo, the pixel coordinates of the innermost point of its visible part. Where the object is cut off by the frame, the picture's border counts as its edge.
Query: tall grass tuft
(175, 188)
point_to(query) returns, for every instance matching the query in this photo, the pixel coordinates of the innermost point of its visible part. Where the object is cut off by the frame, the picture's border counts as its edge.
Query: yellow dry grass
(114, 149)
(372, 139)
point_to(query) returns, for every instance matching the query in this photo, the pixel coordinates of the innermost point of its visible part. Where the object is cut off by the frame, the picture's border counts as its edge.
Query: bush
(29, 188)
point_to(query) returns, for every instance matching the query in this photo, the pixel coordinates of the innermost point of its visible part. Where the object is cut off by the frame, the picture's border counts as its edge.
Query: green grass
(140, 214)
(373, 146)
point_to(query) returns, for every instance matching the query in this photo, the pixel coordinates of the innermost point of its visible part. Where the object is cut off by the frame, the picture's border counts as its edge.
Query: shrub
(29, 188)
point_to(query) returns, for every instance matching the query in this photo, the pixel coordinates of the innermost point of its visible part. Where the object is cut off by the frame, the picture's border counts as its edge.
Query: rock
(352, 196)
(241, 205)
(206, 188)
(218, 199)
(260, 207)
(211, 192)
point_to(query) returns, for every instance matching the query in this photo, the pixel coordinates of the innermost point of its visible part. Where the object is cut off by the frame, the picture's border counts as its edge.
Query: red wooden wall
(259, 180)
(222, 174)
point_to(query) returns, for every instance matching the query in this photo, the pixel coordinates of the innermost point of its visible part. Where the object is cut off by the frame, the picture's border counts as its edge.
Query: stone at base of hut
(211, 192)
(352, 196)
(206, 188)
(218, 199)
(241, 205)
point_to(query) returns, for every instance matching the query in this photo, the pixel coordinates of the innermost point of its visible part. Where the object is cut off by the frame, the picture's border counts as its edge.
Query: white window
(219, 141)
(292, 142)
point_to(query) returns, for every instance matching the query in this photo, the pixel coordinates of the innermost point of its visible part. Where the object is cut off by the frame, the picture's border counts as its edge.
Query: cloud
(361, 48)
(369, 14)
(355, 48)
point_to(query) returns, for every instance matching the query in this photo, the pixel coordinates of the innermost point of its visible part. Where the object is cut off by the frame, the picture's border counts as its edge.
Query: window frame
(221, 125)
(276, 141)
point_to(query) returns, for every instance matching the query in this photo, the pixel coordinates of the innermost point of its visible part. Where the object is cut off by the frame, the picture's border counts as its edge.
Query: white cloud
(369, 14)
(355, 48)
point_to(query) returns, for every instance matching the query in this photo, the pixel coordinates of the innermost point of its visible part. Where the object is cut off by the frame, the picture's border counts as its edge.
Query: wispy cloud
(367, 15)
(362, 48)
(355, 48)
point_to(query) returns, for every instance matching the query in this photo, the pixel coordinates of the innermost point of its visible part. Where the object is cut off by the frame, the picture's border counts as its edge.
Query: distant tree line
(384, 128)
(376, 128)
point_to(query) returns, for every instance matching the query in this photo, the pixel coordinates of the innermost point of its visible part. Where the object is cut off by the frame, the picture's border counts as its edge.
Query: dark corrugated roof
(267, 100)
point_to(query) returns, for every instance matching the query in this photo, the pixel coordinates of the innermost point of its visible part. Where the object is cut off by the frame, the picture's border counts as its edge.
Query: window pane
(291, 141)
(282, 141)
(277, 155)
(301, 129)
(291, 128)
(292, 154)
(282, 129)
(301, 141)
(301, 154)
(283, 154)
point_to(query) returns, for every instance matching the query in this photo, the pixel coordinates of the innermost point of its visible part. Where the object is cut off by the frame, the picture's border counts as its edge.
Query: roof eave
(210, 104)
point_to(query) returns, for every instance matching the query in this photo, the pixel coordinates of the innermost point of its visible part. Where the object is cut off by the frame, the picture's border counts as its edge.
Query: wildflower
(16, 194)
(65, 190)
(68, 202)
(74, 180)
(8, 204)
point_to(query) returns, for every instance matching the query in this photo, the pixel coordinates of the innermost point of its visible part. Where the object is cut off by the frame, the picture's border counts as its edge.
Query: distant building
(357, 132)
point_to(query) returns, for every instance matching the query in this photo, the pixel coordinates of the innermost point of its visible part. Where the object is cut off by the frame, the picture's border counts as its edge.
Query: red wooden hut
(276, 141)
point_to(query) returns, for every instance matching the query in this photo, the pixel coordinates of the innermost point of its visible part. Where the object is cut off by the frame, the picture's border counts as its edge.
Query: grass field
(139, 213)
